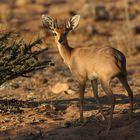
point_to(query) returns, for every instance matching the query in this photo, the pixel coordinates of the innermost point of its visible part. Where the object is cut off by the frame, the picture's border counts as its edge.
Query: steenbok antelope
(102, 63)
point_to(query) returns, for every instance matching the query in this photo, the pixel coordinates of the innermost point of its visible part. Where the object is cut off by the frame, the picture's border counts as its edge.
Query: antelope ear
(74, 21)
(48, 22)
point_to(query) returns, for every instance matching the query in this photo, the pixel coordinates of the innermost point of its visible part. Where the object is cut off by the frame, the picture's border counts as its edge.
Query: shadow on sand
(121, 129)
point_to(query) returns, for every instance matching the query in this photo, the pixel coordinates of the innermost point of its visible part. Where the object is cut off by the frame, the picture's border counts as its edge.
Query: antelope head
(60, 29)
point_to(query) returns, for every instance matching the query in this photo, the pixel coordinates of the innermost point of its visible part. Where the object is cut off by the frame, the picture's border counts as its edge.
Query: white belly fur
(92, 76)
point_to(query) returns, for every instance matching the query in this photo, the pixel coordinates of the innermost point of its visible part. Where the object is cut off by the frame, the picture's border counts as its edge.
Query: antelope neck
(65, 51)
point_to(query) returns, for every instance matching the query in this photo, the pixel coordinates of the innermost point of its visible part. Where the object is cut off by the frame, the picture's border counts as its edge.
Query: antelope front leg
(81, 90)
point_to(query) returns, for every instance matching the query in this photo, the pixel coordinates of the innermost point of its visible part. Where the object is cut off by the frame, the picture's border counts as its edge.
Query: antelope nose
(60, 40)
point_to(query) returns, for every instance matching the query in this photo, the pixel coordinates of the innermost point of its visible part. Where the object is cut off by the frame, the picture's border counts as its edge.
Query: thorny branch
(17, 58)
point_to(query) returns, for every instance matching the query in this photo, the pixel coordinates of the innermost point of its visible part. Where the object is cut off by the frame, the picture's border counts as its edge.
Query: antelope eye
(54, 34)
(65, 33)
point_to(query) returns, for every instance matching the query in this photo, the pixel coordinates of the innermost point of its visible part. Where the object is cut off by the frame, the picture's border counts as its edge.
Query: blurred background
(113, 22)
(50, 96)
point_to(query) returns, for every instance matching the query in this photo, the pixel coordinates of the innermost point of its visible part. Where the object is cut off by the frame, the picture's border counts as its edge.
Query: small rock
(59, 87)
(70, 92)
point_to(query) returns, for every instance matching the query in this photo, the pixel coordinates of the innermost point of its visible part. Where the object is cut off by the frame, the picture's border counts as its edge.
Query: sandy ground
(46, 106)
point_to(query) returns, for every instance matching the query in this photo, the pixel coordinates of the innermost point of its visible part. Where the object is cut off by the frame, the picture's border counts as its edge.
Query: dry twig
(17, 58)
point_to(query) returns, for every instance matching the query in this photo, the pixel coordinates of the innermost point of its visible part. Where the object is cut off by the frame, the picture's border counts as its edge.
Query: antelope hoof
(108, 129)
(104, 117)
